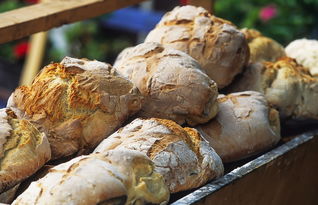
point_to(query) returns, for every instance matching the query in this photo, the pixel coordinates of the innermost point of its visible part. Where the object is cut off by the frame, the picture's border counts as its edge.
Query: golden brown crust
(77, 108)
(22, 152)
(261, 47)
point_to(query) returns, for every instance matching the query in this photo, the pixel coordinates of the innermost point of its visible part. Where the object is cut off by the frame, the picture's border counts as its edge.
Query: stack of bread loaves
(136, 115)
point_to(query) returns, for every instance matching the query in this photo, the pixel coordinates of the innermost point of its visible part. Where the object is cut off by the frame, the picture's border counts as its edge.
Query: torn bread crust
(287, 86)
(218, 46)
(261, 47)
(305, 51)
(21, 144)
(122, 176)
(244, 126)
(77, 103)
(172, 83)
(180, 154)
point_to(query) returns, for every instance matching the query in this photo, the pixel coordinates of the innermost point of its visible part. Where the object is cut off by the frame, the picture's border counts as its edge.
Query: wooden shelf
(25, 21)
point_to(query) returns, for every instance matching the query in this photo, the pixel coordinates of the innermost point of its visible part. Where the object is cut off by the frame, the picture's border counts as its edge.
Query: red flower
(21, 49)
(183, 2)
(268, 12)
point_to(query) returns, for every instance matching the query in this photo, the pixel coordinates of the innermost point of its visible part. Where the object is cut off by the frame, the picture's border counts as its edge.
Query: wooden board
(285, 175)
(22, 22)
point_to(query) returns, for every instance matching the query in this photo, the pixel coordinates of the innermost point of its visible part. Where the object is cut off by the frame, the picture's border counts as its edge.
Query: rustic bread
(23, 149)
(77, 103)
(185, 160)
(218, 46)
(115, 177)
(305, 51)
(287, 86)
(244, 126)
(172, 83)
(261, 47)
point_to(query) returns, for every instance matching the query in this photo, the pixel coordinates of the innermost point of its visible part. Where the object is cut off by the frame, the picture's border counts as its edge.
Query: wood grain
(22, 22)
(290, 179)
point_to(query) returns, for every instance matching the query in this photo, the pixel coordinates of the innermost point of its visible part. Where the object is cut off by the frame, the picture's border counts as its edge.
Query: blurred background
(104, 37)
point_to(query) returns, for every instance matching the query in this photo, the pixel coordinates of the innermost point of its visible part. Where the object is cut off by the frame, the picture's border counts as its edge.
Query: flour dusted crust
(172, 82)
(77, 103)
(23, 149)
(185, 160)
(115, 177)
(305, 51)
(261, 47)
(244, 126)
(218, 46)
(287, 86)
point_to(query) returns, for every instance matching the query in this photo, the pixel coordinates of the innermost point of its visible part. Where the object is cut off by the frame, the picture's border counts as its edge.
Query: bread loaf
(287, 86)
(305, 51)
(261, 47)
(218, 46)
(244, 126)
(77, 103)
(23, 149)
(115, 177)
(185, 160)
(8, 196)
(172, 83)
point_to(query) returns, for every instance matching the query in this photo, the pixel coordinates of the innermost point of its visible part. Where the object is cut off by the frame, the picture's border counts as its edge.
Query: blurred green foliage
(294, 19)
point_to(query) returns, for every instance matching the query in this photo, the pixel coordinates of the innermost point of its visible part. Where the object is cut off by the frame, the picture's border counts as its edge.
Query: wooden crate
(287, 175)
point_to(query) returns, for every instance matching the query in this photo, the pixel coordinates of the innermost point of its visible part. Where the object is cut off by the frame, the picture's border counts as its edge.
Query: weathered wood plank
(22, 22)
(289, 179)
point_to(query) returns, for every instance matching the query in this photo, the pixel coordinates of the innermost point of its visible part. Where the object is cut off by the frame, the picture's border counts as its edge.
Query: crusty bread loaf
(23, 149)
(287, 86)
(244, 126)
(305, 51)
(115, 177)
(185, 160)
(261, 47)
(216, 44)
(77, 103)
(171, 81)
